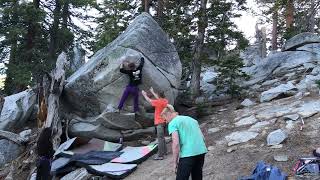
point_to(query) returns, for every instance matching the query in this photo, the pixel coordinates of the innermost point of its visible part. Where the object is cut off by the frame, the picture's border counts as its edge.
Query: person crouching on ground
(45, 153)
(135, 76)
(188, 145)
(159, 103)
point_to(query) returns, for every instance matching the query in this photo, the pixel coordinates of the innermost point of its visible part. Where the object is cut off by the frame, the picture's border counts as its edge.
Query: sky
(247, 22)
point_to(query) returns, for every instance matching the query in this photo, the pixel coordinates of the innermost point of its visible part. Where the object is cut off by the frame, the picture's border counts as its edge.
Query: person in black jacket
(45, 153)
(135, 76)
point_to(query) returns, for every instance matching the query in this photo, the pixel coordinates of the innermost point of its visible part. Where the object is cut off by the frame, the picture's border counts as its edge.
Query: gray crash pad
(112, 170)
(135, 154)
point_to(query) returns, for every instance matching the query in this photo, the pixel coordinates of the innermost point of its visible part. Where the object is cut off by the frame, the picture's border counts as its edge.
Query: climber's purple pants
(134, 90)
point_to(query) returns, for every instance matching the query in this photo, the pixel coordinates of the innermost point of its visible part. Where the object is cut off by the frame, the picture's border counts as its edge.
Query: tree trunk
(54, 32)
(147, 6)
(196, 61)
(311, 17)
(264, 42)
(57, 83)
(289, 14)
(160, 14)
(65, 14)
(274, 38)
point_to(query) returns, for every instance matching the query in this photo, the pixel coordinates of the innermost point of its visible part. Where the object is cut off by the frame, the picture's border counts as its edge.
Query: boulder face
(300, 40)
(17, 109)
(98, 85)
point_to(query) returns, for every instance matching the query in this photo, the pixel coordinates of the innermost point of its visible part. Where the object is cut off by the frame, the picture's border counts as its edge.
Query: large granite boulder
(17, 109)
(93, 91)
(98, 84)
(300, 40)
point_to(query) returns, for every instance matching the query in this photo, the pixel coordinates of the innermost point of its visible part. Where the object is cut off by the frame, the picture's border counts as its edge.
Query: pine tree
(116, 15)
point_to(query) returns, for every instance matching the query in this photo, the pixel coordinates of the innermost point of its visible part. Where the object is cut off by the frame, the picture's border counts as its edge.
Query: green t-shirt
(190, 136)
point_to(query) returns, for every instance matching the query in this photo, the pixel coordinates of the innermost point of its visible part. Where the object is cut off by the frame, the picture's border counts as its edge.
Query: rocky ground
(225, 162)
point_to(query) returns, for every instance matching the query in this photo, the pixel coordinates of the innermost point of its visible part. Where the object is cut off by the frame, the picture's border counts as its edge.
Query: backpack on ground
(308, 165)
(265, 171)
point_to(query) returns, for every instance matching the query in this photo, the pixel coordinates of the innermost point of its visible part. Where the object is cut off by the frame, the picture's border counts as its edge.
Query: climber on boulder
(135, 76)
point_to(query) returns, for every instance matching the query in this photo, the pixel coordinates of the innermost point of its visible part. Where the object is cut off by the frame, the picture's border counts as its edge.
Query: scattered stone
(290, 125)
(277, 146)
(280, 158)
(246, 121)
(247, 103)
(240, 137)
(270, 82)
(306, 114)
(258, 126)
(25, 134)
(145, 142)
(292, 117)
(210, 148)
(213, 130)
(79, 174)
(299, 95)
(283, 89)
(231, 149)
(222, 110)
(276, 137)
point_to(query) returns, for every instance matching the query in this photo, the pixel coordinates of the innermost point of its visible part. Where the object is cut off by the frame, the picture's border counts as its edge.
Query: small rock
(25, 134)
(280, 158)
(278, 146)
(213, 130)
(270, 82)
(240, 137)
(247, 103)
(258, 126)
(261, 145)
(145, 142)
(292, 117)
(289, 125)
(229, 150)
(309, 113)
(276, 137)
(210, 148)
(222, 110)
(246, 121)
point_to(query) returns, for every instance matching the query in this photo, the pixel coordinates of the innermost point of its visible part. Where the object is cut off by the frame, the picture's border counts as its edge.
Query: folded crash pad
(112, 170)
(63, 165)
(93, 145)
(135, 154)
